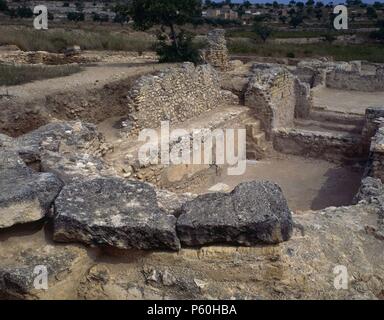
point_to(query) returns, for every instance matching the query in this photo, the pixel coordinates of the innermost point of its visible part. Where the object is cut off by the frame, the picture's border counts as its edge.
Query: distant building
(60, 9)
(222, 13)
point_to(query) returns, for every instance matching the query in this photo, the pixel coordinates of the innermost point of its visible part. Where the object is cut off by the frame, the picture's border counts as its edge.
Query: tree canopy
(168, 14)
(147, 13)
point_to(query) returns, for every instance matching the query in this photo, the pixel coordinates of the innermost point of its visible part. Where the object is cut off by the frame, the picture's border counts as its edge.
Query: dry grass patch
(18, 74)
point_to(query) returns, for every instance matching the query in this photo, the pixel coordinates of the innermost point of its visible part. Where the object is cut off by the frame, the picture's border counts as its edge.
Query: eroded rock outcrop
(113, 212)
(254, 212)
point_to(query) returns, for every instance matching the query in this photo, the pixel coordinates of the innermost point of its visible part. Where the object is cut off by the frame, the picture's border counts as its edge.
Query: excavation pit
(308, 184)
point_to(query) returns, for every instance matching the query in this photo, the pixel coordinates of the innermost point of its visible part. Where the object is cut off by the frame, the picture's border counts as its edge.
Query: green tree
(3, 5)
(318, 13)
(122, 13)
(378, 5)
(187, 51)
(379, 34)
(247, 4)
(329, 37)
(371, 13)
(350, 3)
(167, 14)
(283, 19)
(24, 12)
(262, 30)
(296, 21)
(75, 16)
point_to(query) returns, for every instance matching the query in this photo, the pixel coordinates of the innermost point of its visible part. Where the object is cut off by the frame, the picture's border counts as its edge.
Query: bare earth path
(93, 76)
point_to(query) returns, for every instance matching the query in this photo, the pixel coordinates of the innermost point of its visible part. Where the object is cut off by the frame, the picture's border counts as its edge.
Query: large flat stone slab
(25, 195)
(113, 212)
(253, 213)
(75, 167)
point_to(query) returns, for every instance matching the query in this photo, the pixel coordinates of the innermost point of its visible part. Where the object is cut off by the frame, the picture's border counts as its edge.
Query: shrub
(75, 16)
(186, 50)
(3, 5)
(24, 12)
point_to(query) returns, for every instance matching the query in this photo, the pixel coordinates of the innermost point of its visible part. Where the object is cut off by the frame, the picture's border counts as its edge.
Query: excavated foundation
(316, 161)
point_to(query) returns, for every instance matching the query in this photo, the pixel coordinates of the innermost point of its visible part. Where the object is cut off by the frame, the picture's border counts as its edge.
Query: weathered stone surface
(370, 188)
(25, 196)
(19, 271)
(172, 202)
(331, 146)
(75, 167)
(63, 137)
(254, 212)
(113, 212)
(182, 92)
(217, 53)
(272, 96)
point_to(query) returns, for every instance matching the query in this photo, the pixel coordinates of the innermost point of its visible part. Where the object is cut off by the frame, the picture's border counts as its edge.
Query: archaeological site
(87, 194)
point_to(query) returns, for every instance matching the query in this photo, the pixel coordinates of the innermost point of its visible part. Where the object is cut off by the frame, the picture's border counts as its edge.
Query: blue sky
(287, 1)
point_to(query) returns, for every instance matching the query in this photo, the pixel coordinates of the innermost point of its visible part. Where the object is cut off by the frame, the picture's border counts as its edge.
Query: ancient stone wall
(375, 166)
(374, 117)
(304, 100)
(323, 145)
(373, 141)
(354, 79)
(176, 95)
(182, 176)
(271, 96)
(216, 53)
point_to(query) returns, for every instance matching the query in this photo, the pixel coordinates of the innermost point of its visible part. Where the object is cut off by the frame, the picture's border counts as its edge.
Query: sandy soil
(346, 101)
(307, 183)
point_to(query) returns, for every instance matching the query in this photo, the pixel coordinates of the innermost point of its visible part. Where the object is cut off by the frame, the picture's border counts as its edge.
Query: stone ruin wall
(353, 75)
(375, 168)
(178, 177)
(340, 147)
(271, 95)
(355, 79)
(304, 99)
(176, 95)
(332, 147)
(216, 53)
(373, 137)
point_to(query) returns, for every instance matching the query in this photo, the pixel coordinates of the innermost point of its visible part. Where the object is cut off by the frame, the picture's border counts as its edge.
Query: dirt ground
(308, 184)
(83, 95)
(346, 101)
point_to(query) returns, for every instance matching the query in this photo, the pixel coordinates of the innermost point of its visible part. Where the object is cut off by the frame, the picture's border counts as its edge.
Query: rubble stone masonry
(271, 96)
(176, 95)
(217, 53)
